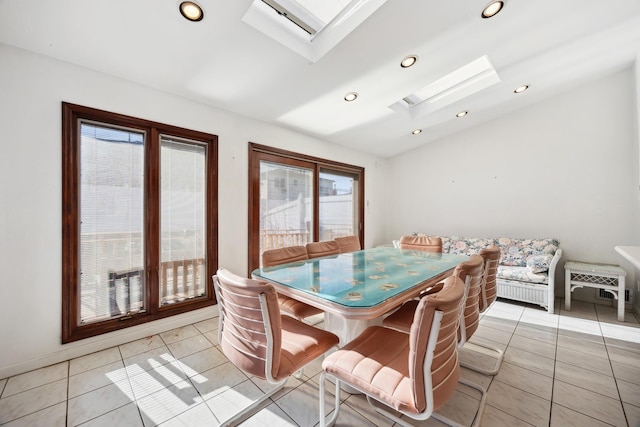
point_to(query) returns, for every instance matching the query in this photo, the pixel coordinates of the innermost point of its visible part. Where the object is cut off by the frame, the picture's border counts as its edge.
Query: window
(295, 199)
(139, 221)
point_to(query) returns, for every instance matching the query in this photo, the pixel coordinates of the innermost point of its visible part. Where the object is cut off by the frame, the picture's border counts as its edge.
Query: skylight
(310, 28)
(459, 84)
(310, 15)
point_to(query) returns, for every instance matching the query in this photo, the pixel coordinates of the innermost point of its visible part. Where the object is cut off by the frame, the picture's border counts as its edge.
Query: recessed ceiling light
(462, 113)
(416, 131)
(351, 96)
(408, 61)
(191, 11)
(492, 9)
(521, 89)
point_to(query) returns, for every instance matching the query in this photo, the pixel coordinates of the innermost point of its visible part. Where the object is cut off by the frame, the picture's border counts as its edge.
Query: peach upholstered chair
(488, 294)
(414, 373)
(290, 306)
(421, 243)
(348, 243)
(258, 340)
(324, 248)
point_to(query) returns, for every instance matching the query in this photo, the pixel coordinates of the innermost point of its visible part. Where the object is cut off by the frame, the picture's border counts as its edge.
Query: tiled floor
(578, 368)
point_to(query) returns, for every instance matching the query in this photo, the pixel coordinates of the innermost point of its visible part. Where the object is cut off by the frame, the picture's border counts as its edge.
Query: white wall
(32, 88)
(566, 167)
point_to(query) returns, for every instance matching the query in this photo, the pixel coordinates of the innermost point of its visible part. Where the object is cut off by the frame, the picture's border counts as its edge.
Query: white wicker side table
(610, 278)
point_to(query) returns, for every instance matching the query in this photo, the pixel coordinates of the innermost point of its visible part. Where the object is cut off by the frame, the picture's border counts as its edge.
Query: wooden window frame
(256, 152)
(72, 114)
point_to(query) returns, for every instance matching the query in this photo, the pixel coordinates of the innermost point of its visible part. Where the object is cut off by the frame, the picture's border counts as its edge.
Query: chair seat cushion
(383, 373)
(521, 274)
(301, 344)
(295, 308)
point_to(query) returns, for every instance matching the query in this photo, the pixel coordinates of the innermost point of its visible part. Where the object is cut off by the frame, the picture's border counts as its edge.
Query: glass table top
(363, 278)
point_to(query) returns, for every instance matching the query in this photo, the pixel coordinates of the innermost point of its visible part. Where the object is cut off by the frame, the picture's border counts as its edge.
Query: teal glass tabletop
(362, 278)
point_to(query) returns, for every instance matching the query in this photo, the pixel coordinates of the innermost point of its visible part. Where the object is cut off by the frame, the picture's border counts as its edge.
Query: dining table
(356, 289)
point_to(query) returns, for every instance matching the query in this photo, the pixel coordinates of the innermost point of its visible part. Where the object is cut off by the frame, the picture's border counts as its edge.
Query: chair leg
(334, 417)
(252, 408)
(478, 416)
(496, 350)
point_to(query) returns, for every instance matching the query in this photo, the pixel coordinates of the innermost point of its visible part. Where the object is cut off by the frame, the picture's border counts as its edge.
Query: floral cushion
(539, 263)
(515, 252)
(521, 274)
(465, 245)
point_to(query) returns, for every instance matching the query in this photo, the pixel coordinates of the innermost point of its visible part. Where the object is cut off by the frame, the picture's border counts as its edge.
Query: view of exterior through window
(139, 221)
(297, 200)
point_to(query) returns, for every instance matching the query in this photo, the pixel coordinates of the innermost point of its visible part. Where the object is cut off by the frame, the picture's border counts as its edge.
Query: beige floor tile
(578, 324)
(540, 348)
(141, 346)
(199, 415)
(629, 392)
(583, 345)
(95, 378)
(233, 400)
(473, 356)
(359, 404)
(302, 404)
(188, 346)
(168, 403)
(207, 325)
(36, 378)
(565, 417)
(626, 372)
(505, 325)
(493, 334)
(350, 417)
(462, 407)
(494, 417)
(525, 359)
(633, 414)
(624, 356)
(476, 377)
(572, 374)
(94, 360)
(628, 332)
(53, 416)
(212, 336)
(588, 403)
(201, 361)
(99, 402)
(218, 380)
(3, 383)
(33, 400)
(526, 380)
(584, 360)
(520, 404)
(545, 334)
(127, 415)
(153, 380)
(151, 359)
(179, 334)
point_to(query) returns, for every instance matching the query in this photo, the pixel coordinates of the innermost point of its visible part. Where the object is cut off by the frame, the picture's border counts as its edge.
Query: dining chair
(258, 340)
(488, 294)
(414, 374)
(421, 243)
(290, 306)
(471, 273)
(324, 248)
(348, 243)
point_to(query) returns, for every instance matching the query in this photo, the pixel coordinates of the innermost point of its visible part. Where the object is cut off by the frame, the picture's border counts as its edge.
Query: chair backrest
(425, 335)
(470, 272)
(325, 248)
(348, 243)
(489, 289)
(279, 256)
(421, 243)
(249, 324)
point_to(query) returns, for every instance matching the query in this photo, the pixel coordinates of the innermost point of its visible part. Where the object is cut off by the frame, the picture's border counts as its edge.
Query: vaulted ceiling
(224, 62)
